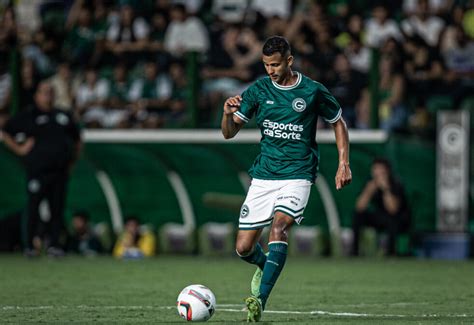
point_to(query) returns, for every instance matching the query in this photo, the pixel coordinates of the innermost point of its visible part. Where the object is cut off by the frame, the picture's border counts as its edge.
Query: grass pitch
(324, 291)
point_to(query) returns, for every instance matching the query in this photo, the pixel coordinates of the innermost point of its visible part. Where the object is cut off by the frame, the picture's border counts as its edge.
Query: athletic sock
(257, 257)
(273, 266)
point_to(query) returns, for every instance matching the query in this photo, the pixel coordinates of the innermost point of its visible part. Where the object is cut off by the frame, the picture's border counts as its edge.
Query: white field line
(222, 308)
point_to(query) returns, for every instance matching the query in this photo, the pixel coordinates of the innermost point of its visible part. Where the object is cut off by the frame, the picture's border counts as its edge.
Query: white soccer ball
(196, 303)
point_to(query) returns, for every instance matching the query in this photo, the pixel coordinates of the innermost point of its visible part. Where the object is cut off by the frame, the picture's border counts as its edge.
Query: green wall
(138, 173)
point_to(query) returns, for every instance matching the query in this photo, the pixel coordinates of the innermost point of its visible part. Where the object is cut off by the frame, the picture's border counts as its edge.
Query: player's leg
(256, 213)
(289, 205)
(248, 248)
(56, 198)
(31, 217)
(277, 248)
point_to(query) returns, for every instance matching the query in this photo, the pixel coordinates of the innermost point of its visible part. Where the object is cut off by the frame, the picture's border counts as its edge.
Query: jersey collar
(298, 80)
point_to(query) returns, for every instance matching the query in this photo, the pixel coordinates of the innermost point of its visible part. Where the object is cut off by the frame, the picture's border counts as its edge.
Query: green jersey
(287, 118)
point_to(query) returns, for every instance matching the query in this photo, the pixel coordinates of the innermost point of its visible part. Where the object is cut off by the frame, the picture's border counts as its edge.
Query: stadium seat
(306, 241)
(176, 239)
(368, 242)
(216, 239)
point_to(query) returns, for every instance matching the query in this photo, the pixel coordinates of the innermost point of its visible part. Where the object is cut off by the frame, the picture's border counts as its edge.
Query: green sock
(273, 266)
(257, 257)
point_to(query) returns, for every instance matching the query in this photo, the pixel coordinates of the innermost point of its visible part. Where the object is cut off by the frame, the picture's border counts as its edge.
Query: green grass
(103, 290)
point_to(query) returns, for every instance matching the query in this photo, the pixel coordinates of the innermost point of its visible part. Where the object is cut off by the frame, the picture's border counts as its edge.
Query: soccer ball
(196, 303)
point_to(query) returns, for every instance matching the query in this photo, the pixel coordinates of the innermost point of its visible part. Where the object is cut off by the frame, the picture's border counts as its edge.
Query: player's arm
(343, 174)
(231, 124)
(19, 149)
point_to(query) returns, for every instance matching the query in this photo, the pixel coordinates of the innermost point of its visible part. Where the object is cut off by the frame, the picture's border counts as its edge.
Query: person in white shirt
(185, 33)
(423, 24)
(380, 28)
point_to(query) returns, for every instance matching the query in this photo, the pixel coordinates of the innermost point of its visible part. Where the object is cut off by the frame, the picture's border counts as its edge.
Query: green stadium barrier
(211, 175)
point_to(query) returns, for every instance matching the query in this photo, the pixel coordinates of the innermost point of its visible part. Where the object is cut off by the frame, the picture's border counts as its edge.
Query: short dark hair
(81, 214)
(276, 44)
(383, 161)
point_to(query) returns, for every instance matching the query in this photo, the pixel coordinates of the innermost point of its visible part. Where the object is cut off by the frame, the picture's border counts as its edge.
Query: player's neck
(290, 79)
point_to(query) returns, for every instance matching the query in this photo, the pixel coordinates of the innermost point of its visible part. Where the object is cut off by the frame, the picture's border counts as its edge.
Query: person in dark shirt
(83, 239)
(48, 141)
(382, 205)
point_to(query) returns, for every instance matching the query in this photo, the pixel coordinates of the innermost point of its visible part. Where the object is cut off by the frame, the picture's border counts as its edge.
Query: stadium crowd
(122, 64)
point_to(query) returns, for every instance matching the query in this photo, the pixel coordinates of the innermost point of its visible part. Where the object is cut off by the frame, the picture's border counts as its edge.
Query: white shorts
(265, 197)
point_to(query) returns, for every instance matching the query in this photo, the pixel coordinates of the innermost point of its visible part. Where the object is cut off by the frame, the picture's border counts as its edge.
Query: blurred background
(147, 81)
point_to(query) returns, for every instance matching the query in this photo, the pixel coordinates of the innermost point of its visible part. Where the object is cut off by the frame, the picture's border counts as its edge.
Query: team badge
(244, 212)
(298, 104)
(62, 119)
(34, 186)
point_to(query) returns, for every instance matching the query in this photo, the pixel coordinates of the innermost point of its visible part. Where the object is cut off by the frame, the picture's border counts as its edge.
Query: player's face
(277, 66)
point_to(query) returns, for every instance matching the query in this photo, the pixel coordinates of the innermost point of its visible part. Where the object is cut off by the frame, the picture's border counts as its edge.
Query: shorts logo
(298, 104)
(244, 212)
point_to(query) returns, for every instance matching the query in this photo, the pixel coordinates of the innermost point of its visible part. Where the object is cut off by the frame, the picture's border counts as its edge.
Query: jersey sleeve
(329, 108)
(249, 104)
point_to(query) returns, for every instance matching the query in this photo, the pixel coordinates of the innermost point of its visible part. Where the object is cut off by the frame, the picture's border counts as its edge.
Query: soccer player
(286, 105)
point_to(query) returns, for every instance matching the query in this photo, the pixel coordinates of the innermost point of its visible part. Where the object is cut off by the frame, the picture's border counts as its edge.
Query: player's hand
(232, 105)
(343, 175)
(26, 147)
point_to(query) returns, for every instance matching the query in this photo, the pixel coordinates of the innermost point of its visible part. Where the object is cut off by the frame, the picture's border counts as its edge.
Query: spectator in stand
(380, 27)
(423, 24)
(324, 54)
(83, 239)
(346, 86)
(460, 67)
(390, 212)
(358, 54)
(80, 44)
(435, 7)
(41, 50)
(177, 114)
(29, 81)
(228, 67)
(159, 23)
(8, 30)
(150, 96)
(272, 8)
(62, 83)
(5, 83)
(136, 242)
(91, 96)
(391, 110)
(118, 104)
(230, 11)
(447, 39)
(275, 26)
(424, 73)
(185, 33)
(127, 38)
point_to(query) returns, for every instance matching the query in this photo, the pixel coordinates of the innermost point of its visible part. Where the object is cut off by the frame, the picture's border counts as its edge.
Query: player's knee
(279, 229)
(243, 248)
